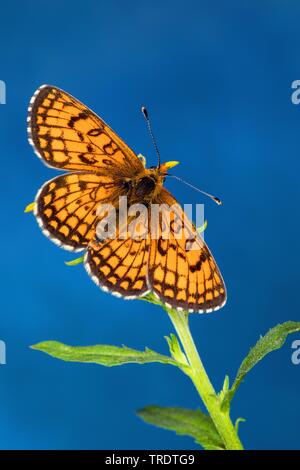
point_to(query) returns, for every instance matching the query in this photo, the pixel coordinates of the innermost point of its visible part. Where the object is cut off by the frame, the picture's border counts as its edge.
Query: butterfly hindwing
(66, 207)
(119, 266)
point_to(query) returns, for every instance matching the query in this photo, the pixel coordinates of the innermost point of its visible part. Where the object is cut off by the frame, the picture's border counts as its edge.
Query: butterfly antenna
(146, 116)
(214, 198)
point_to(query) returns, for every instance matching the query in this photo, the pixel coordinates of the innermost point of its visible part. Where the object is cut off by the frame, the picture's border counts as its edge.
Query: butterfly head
(159, 173)
(147, 184)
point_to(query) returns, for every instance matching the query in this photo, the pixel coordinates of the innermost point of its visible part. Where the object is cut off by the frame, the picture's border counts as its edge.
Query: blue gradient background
(216, 77)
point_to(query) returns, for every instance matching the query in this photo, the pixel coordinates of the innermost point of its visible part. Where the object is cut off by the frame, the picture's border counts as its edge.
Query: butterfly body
(99, 169)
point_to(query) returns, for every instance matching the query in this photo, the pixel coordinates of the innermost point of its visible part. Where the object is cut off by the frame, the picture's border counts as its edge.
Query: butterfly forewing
(68, 135)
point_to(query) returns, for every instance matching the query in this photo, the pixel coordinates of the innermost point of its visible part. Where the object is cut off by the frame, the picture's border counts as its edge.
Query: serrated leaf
(75, 262)
(274, 339)
(185, 422)
(104, 355)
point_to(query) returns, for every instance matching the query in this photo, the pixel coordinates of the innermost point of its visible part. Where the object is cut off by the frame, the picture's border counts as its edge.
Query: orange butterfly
(67, 135)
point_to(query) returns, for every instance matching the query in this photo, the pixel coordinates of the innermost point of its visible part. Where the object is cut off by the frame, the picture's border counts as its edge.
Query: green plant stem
(202, 383)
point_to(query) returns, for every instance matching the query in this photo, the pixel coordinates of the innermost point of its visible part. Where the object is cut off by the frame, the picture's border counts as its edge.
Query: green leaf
(75, 261)
(223, 395)
(29, 207)
(102, 354)
(142, 159)
(186, 422)
(150, 297)
(175, 349)
(274, 339)
(203, 227)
